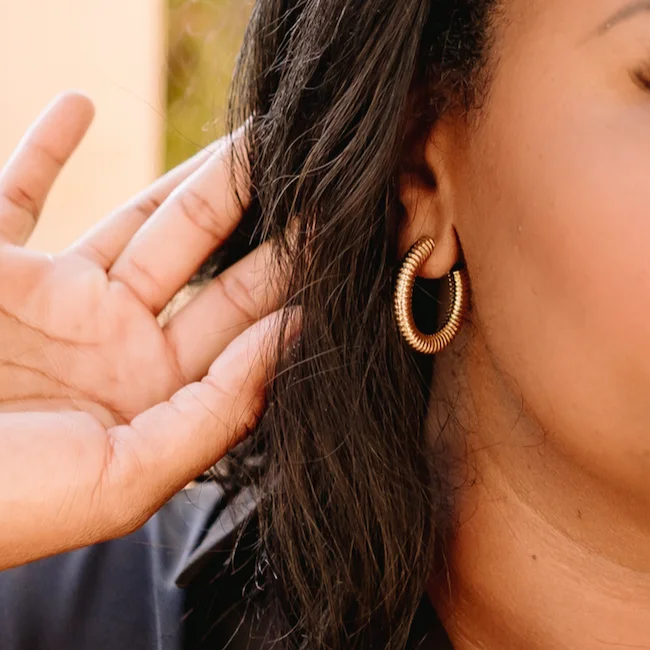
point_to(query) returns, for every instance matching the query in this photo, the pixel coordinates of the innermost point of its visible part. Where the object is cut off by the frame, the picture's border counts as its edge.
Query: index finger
(27, 178)
(108, 238)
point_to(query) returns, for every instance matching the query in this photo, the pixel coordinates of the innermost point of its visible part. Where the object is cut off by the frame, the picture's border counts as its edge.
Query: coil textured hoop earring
(420, 342)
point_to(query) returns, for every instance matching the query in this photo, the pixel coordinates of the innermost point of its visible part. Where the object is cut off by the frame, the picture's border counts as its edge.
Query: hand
(79, 329)
(105, 423)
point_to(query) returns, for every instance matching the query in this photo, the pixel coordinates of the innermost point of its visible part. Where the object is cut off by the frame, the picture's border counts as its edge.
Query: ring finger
(230, 303)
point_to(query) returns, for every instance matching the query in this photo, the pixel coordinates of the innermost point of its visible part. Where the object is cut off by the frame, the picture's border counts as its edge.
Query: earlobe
(425, 194)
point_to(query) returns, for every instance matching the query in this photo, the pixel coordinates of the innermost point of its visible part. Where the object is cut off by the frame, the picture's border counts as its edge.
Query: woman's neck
(520, 580)
(545, 556)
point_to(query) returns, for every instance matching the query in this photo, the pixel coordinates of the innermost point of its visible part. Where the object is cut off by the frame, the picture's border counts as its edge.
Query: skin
(546, 196)
(105, 409)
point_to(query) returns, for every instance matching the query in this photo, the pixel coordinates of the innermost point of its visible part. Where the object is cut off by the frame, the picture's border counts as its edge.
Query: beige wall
(112, 50)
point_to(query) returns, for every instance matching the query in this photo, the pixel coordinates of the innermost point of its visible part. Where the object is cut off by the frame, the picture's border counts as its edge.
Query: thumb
(167, 446)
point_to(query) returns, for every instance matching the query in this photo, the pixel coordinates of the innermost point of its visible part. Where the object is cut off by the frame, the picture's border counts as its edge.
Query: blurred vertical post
(114, 50)
(203, 40)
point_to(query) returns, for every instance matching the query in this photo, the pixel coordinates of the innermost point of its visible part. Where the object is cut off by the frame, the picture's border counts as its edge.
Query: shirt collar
(214, 531)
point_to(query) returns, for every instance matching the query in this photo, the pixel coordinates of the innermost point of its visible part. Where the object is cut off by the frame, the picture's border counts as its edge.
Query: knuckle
(140, 280)
(243, 409)
(48, 153)
(237, 294)
(19, 198)
(202, 214)
(95, 251)
(221, 388)
(146, 206)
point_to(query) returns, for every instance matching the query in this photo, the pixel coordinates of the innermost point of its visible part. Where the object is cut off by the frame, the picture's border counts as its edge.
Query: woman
(505, 144)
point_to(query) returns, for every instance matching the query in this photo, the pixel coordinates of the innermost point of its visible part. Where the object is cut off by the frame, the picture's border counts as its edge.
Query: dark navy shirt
(168, 586)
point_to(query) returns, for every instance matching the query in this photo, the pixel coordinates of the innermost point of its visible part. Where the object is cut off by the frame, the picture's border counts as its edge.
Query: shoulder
(119, 594)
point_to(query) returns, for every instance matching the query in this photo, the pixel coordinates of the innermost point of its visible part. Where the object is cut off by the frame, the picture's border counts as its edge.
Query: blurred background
(157, 70)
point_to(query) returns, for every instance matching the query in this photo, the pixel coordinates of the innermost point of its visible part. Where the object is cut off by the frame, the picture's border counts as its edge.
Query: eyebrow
(623, 14)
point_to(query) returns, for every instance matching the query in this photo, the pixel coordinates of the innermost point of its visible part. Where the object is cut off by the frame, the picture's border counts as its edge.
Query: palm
(120, 418)
(110, 410)
(83, 324)
(84, 341)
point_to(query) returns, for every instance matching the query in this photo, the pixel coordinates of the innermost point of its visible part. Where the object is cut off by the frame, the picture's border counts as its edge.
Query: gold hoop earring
(420, 342)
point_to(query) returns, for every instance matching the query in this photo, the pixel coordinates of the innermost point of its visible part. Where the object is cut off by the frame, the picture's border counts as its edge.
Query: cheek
(558, 247)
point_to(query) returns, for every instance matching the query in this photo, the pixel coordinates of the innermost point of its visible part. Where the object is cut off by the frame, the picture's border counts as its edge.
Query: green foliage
(202, 43)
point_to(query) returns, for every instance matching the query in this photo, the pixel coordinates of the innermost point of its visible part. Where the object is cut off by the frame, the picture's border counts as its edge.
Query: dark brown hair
(354, 503)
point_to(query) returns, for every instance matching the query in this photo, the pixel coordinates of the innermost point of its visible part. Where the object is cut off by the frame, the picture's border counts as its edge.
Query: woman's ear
(426, 196)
